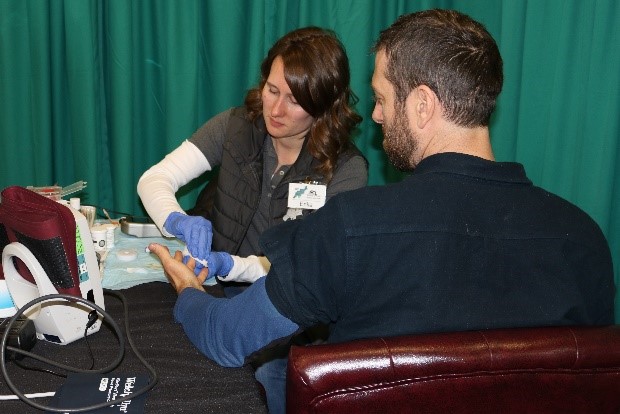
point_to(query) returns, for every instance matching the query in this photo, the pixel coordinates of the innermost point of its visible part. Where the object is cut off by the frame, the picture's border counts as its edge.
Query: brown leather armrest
(564, 369)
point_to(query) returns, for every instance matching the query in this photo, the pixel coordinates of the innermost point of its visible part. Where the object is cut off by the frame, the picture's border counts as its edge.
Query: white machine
(56, 320)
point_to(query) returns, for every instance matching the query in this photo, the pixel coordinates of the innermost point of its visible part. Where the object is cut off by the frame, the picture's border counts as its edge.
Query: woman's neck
(287, 149)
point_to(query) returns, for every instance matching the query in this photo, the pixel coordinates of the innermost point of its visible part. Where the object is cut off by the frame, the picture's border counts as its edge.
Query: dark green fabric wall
(100, 90)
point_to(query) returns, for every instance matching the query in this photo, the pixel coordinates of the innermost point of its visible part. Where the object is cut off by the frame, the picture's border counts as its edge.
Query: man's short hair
(450, 53)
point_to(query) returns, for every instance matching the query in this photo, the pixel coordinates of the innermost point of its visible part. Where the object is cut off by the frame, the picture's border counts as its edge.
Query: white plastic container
(7, 307)
(99, 235)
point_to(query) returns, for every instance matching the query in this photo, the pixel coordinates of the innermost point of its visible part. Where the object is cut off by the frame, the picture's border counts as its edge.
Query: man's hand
(179, 275)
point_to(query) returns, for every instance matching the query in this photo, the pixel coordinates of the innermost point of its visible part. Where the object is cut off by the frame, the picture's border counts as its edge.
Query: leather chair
(526, 370)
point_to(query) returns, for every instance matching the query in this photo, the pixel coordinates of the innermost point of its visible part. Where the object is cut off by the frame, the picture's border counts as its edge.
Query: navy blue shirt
(462, 243)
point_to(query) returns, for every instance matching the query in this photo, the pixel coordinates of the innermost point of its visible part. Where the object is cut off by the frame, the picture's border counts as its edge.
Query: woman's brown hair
(316, 68)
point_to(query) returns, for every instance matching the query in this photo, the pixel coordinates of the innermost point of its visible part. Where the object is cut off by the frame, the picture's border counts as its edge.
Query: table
(188, 381)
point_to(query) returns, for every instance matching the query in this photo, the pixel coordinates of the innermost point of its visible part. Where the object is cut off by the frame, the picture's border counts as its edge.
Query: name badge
(308, 196)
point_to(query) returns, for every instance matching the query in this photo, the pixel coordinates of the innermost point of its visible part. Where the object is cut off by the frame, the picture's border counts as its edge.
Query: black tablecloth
(188, 381)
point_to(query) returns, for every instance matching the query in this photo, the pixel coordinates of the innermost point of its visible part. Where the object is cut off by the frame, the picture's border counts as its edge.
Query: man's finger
(160, 251)
(178, 256)
(191, 263)
(202, 276)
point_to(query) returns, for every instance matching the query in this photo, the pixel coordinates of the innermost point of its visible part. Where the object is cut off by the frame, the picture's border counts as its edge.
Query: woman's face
(284, 117)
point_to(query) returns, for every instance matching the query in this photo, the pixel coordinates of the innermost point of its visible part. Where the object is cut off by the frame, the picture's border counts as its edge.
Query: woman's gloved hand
(199, 264)
(219, 264)
(195, 231)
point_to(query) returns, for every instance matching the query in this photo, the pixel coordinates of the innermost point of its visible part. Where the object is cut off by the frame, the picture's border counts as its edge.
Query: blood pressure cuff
(81, 390)
(46, 228)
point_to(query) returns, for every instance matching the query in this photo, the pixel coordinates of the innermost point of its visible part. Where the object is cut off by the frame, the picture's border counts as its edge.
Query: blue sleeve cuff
(229, 330)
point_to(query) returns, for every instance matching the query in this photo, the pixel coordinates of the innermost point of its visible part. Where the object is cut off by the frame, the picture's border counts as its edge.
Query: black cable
(31, 368)
(132, 345)
(3, 348)
(69, 298)
(92, 318)
(154, 378)
(90, 351)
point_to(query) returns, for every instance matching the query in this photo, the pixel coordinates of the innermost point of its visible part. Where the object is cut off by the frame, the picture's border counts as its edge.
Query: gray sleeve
(210, 137)
(349, 176)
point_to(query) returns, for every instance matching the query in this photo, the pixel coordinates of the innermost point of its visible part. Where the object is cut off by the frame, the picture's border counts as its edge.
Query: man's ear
(423, 102)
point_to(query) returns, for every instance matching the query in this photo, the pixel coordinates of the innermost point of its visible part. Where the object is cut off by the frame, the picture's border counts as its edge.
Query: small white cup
(98, 234)
(110, 228)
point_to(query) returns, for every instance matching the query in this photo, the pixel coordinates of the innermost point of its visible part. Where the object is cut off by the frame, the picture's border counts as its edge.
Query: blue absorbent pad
(145, 268)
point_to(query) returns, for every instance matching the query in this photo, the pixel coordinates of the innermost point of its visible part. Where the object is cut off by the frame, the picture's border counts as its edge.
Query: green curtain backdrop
(99, 90)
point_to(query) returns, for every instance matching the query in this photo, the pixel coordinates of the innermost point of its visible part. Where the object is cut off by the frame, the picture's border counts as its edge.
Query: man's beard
(399, 142)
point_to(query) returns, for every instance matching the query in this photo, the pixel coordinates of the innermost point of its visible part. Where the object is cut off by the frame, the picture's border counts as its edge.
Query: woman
(295, 127)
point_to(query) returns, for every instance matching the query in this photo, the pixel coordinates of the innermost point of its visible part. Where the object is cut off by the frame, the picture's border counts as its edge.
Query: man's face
(399, 142)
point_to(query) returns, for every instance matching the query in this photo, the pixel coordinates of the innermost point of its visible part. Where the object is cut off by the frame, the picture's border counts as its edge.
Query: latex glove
(199, 263)
(219, 264)
(195, 231)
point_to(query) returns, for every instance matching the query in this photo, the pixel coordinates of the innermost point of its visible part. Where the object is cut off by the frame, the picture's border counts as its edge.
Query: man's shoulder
(576, 222)
(371, 192)
(372, 200)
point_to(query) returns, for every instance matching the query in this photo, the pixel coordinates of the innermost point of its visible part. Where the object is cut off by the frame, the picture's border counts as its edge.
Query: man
(462, 243)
